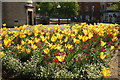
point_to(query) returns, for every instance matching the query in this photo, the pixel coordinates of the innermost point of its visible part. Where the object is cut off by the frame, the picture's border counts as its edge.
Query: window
(86, 17)
(86, 8)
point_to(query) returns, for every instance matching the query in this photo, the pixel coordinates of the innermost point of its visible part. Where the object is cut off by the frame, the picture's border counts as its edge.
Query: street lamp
(38, 14)
(58, 7)
(38, 9)
(93, 11)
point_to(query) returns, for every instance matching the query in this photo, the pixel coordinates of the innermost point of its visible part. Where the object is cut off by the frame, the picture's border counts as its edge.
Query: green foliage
(66, 9)
(116, 6)
(45, 8)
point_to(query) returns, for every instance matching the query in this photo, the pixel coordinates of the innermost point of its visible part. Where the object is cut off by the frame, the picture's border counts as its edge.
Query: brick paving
(119, 64)
(114, 65)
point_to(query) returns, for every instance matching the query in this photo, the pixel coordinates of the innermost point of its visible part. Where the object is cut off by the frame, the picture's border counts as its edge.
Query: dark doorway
(30, 17)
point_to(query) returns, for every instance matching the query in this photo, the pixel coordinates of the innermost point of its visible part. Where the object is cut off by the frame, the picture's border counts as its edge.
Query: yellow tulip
(60, 58)
(114, 39)
(59, 36)
(106, 72)
(7, 42)
(61, 50)
(84, 38)
(23, 43)
(0, 45)
(90, 35)
(58, 46)
(112, 47)
(77, 41)
(2, 54)
(28, 51)
(76, 31)
(85, 32)
(66, 39)
(74, 40)
(102, 56)
(103, 43)
(53, 46)
(32, 38)
(54, 38)
(69, 46)
(119, 46)
(33, 46)
(23, 50)
(0, 37)
(49, 28)
(80, 37)
(18, 46)
(37, 40)
(46, 51)
(4, 24)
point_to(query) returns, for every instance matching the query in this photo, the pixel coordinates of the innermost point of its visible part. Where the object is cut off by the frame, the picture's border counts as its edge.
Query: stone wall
(13, 11)
(0, 14)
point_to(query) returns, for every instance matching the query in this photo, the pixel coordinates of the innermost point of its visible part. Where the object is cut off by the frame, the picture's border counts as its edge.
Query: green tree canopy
(45, 7)
(66, 9)
(116, 6)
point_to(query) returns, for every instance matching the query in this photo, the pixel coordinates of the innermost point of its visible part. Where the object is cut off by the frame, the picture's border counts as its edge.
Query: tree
(45, 8)
(116, 6)
(67, 9)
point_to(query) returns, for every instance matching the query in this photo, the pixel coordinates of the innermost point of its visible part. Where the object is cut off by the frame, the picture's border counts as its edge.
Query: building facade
(0, 14)
(89, 11)
(18, 13)
(108, 14)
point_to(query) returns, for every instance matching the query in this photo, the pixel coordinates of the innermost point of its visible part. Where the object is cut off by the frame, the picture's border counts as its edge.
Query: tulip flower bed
(82, 52)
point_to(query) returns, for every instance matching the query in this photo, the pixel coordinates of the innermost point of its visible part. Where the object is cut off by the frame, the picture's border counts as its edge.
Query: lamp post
(39, 10)
(39, 14)
(58, 7)
(93, 11)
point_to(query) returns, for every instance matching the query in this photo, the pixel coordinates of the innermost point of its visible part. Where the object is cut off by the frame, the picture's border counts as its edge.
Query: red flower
(85, 72)
(51, 61)
(104, 50)
(40, 46)
(78, 57)
(94, 40)
(59, 65)
(83, 47)
(89, 41)
(87, 57)
(30, 59)
(64, 53)
(82, 61)
(42, 53)
(55, 55)
(74, 59)
(11, 47)
(12, 52)
(56, 60)
(87, 44)
(93, 49)
(71, 50)
(48, 62)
